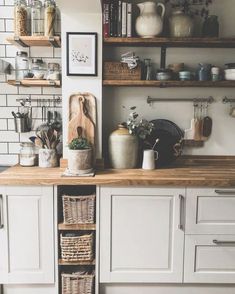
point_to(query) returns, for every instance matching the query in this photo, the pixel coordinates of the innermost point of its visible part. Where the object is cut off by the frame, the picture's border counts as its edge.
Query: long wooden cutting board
(82, 113)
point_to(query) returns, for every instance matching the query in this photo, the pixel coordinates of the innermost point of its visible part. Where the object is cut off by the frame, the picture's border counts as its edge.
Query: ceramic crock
(80, 161)
(181, 25)
(149, 24)
(48, 158)
(123, 149)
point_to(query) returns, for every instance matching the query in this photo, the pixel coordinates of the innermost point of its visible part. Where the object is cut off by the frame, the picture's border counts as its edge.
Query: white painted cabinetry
(141, 236)
(210, 236)
(26, 235)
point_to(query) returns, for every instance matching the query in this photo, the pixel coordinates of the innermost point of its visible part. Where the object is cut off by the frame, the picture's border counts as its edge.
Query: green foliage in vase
(79, 143)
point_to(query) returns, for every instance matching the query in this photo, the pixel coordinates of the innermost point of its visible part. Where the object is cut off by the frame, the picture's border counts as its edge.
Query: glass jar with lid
(20, 18)
(38, 68)
(37, 21)
(28, 156)
(53, 72)
(21, 65)
(49, 18)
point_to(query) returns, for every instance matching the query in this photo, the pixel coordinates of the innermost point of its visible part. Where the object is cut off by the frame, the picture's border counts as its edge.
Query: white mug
(149, 159)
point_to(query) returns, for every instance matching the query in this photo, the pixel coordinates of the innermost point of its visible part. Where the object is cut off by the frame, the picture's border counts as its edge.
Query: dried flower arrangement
(192, 7)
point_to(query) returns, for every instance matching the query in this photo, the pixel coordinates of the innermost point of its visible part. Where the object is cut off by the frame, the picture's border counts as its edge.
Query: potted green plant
(80, 155)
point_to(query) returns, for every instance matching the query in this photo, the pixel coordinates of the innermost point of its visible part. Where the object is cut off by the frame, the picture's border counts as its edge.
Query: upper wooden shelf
(41, 41)
(168, 84)
(172, 42)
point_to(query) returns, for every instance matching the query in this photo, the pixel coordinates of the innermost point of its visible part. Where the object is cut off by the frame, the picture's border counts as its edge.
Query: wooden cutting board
(82, 113)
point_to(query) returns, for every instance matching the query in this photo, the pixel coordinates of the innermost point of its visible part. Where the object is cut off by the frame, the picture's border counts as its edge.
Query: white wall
(81, 16)
(222, 140)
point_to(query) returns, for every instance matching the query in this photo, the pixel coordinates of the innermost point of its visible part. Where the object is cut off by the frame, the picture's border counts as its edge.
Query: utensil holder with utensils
(22, 124)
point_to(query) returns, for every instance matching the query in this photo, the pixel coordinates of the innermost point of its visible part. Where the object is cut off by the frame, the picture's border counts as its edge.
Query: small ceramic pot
(48, 158)
(80, 161)
(185, 75)
(164, 75)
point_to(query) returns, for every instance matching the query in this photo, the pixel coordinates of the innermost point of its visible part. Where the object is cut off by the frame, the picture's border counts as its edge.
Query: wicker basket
(77, 248)
(120, 71)
(77, 283)
(79, 209)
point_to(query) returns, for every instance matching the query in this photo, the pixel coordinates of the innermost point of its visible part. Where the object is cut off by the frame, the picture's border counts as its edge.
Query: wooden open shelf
(77, 227)
(62, 262)
(172, 42)
(168, 84)
(34, 83)
(30, 41)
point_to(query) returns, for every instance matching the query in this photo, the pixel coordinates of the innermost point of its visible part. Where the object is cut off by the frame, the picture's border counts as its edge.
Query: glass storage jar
(53, 72)
(38, 69)
(20, 18)
(49, 18)
(28, 156)
(37, 27)
(21, 65)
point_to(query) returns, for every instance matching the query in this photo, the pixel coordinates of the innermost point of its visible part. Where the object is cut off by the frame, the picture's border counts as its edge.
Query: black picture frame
(81, 58)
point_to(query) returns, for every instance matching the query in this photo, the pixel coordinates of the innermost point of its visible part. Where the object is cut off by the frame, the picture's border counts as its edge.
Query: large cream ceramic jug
(149, 24)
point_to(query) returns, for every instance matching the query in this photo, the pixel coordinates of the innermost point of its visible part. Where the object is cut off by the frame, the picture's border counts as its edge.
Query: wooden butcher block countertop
(188, 171)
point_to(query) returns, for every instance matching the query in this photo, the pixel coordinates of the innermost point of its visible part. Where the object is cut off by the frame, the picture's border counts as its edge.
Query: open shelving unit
(41, 41)
(35, 83)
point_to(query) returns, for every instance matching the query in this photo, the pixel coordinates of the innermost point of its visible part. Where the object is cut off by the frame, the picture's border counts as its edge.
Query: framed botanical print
(81, 54)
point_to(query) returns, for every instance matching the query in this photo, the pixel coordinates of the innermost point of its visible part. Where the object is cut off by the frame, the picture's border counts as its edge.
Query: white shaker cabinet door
(141, 238)
(27, 235)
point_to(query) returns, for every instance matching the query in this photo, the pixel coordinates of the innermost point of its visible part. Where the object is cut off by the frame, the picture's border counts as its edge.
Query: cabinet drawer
(210, 211)
(209, 259)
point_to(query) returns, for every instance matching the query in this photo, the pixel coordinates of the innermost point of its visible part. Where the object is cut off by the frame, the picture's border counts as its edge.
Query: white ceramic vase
(123, 149)
(149, 24)
(80, 161)
(48, 158)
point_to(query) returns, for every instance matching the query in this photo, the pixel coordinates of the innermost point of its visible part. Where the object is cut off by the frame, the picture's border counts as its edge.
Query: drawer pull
(181, 215)
(1, 212)
(225, 192)
(222, 242)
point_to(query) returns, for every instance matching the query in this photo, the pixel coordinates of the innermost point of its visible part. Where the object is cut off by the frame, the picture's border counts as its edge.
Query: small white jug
(149, 158)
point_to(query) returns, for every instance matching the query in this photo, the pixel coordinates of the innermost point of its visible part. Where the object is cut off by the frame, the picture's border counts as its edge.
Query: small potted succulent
(184, 11)
(80, 155)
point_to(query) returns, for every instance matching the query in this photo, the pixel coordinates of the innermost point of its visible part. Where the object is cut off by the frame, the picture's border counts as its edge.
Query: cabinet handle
(217, 242)
(181, 204)
(1, 212)
(224, 192)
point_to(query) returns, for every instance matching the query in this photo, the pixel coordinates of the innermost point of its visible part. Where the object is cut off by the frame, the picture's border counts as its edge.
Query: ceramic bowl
(229, 74)
(185, 75)
(164, 75)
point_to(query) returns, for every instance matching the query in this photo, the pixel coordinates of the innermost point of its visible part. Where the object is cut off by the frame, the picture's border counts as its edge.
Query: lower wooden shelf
(34, 83)
(168, 84)
(77, 227)
(62, 262)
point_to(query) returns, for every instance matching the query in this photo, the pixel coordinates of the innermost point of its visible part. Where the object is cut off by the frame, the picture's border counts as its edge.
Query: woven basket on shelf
(77, 283)
(79, 209)
(77, 248)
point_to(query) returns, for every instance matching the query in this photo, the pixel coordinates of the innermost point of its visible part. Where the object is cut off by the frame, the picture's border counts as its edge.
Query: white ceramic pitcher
(149, 24)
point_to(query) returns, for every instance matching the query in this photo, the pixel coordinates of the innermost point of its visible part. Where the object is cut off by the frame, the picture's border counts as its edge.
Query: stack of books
(117, 18)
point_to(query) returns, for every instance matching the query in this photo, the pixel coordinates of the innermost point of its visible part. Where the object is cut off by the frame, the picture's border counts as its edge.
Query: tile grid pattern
(9, 139)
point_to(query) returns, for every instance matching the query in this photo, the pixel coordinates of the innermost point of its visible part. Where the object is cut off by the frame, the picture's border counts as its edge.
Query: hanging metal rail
(40, 100)
(228, 100)
(208, 100)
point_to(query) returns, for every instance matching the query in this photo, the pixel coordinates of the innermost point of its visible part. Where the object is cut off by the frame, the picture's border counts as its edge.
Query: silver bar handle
(181, 203)
(1, 212)
(223, 242)
(225, 192)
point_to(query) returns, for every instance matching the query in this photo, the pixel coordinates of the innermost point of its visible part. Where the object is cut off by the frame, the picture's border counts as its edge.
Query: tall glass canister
(49, 18)
(37, 18)
(20, 18)
(21, 65)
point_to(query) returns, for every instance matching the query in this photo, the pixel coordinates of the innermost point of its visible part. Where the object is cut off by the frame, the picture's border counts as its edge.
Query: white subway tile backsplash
(7, 12)
(2, 78)
(2, 51)
(3, 124)
(11, 99)
(41, 52)
(9, 136)
(8, 89)
(57, 52)
(24, 137)
(3, 37)
(9, 2)
(30, 90)
(3, 148)
(1, 2)
(48, 91)
(10, 124)
(6, 112)
(9, 24)
(9, 159)
(14, 148)
(11, 51)
(3, 100)
(2, 25)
